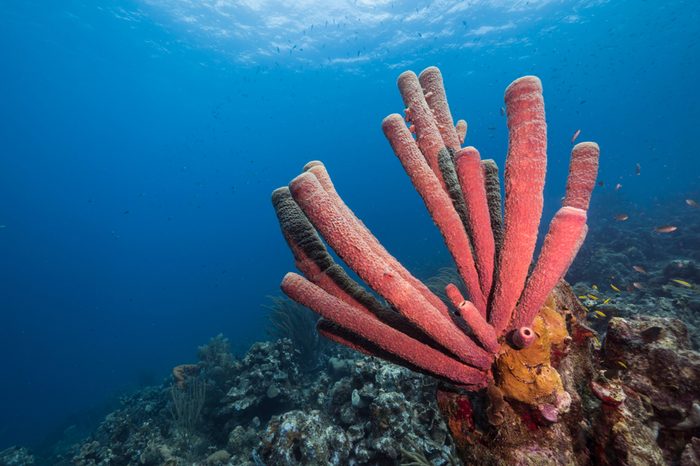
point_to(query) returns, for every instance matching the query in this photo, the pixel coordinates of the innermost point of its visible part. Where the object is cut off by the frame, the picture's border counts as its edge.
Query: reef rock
(660, 375)
(16, 456)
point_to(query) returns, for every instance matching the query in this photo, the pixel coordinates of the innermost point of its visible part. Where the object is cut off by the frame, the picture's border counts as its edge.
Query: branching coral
(504, 330)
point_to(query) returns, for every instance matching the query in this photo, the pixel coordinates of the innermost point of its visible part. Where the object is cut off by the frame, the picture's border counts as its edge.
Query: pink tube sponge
(566, 234)
(387, 338)
(418, 112)
(434, 92)
(438, 203)
(491, 242)
(342, 235)
(526, 165)
(523, 337)
(583, 170)
(471, 178)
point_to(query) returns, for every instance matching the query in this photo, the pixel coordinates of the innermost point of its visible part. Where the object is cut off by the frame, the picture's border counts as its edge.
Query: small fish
(639, 268)
(682, 283)
(503, 111)
(596, 340)
(582, 296)
(601, 184)
(638, 170)
(614, 288)
(601, 314)
(618, 186)
(573, 138)
(621, 217)
(593, 297)
(666, 229)
(622, 364)
(638, 285)
(607, 300)
(692, 203)
(594, 286)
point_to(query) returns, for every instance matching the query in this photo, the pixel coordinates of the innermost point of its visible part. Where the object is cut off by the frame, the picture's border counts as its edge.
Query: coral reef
(297, 323)
(653, 274)
(357, 411)
(365, 411)
(15, 456)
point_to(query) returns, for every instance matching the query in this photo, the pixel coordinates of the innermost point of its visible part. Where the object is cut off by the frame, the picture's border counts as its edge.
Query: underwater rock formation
(664, 383)
(504, 334)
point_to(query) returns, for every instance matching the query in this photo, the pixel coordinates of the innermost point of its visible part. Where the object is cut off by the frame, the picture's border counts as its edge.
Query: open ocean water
(140, 142)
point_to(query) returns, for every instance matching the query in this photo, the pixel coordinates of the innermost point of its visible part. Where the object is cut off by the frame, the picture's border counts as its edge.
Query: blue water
(139, 143)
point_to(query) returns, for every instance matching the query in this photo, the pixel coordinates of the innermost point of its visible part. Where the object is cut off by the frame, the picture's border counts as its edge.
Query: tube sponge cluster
(490, 235)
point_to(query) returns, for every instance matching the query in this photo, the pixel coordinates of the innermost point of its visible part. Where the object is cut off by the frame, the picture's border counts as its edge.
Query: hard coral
(502, 330)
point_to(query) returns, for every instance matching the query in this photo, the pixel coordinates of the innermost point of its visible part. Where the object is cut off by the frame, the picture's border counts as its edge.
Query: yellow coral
(526, 374)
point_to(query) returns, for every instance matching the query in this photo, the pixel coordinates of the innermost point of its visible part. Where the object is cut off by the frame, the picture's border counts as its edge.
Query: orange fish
(573, 139)
(692, 203)
(621, 217)
(639, 268)
(666, 229)
(618, 186)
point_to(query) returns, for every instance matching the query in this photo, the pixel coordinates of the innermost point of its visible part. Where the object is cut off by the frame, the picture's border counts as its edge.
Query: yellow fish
(622, 364)
(614, 288)
(582, 297)
(607, 300)
(601, 314)
(682, 283)
(593, 297)
(594, 286)
(597, 342)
